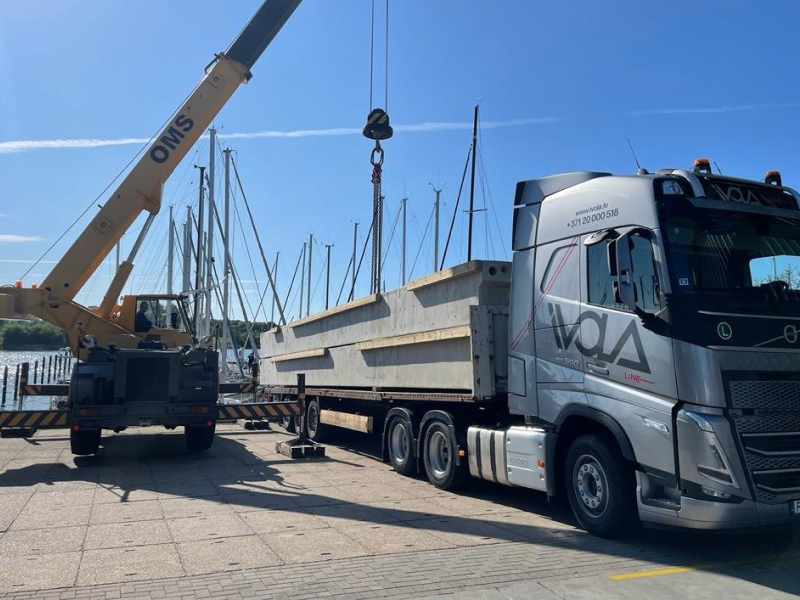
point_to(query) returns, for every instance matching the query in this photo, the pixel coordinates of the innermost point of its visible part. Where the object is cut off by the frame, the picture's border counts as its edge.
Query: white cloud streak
(10, 238)
(711, 109)
(15, 146)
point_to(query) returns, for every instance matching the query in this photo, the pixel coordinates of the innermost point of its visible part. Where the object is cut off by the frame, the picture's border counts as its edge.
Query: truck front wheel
(199, 437)
(440, 451)
(84, 442)
(399, 444)
(600, 487)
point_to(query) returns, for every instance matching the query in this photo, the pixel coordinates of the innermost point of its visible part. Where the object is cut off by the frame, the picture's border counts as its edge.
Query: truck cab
(654, 335)
(156, 317)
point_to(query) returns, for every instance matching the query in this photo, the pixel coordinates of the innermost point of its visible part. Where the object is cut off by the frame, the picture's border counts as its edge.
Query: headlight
(720, 468)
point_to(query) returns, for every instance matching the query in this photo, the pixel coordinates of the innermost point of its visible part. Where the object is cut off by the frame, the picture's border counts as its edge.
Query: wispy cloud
(430, 126)
(10, 238)
(700, 110)
(15, 146)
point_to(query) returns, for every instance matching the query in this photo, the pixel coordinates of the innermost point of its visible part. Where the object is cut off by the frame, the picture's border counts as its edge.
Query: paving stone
(465, 531)
(340, 515)
(250, 501)
(63, 499)
(115, 494)
(376, 492)
(194, 507)
(189, 489)
(319, 544)
(42, 541)
(39, 571)
(129, 512)
(208, 527)
(41, 518)
(233, 553)
(391, 538)
(129, 564)
(139, 533)
(274, 521)
(11, 506)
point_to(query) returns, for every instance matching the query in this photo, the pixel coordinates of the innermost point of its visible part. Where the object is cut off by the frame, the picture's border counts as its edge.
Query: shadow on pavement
(125, 464)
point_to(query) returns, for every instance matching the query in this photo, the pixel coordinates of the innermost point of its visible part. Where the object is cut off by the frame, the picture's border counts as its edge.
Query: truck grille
(773, 395)
(766, 418)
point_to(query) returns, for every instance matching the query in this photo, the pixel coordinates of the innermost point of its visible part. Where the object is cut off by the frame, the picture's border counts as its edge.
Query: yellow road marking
(705, 567)
(653, 573)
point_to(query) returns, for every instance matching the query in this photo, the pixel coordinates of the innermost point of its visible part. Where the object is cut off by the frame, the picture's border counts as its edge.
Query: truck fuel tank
(514, 456)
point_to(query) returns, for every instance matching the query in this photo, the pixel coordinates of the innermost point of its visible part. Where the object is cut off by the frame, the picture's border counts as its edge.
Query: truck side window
(601, 282)
(645, 275)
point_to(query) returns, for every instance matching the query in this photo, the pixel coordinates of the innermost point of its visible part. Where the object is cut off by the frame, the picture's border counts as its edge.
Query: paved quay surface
(144, 518)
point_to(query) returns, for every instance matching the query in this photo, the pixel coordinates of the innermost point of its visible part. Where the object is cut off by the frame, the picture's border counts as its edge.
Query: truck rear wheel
(84, 441)
(399, 442)
(199, 437)
(600, 487)
(440, 451)
(314, 427)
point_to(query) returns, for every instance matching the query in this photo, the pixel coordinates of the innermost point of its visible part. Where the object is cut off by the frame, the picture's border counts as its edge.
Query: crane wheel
(84, 442)
(199, 438)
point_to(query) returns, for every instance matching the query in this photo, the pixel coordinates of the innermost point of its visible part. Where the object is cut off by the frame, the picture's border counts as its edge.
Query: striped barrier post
(5, 384)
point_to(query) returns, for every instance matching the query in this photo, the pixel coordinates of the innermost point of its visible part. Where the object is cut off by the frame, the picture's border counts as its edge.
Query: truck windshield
(743, 257)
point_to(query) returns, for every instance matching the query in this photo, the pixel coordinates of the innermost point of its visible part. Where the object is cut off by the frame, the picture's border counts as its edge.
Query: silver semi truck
(640, 355)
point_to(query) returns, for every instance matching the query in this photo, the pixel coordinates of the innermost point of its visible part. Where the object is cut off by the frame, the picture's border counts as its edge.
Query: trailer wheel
(439, 454)
(600, 486)
(315, 430)
(84, 441)
(400, 443)
(291, 424)
(199, 438)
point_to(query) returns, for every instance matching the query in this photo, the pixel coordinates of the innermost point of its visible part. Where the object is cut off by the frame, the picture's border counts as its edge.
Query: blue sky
(710, 78)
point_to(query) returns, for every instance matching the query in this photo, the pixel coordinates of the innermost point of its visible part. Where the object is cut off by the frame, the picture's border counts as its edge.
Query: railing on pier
(50, 377)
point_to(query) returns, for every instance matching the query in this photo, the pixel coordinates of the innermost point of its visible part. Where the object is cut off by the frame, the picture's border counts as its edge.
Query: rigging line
(424, 235)
(291, 285)
(371, 54)
(386, 68)
(100, 195)
(491, 197)
(391, 235)
(258, 241)
(344, 280)
(455, 210)
(319, 278)
(361, 260)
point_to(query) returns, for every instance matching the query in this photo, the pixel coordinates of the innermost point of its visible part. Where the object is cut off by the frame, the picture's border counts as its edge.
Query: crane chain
(377, 213)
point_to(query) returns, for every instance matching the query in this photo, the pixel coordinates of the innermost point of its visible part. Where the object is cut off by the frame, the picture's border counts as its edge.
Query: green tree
(31, 335)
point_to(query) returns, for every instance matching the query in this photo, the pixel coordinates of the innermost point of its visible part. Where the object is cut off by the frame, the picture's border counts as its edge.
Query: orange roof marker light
(18, 284)
(773, 178)
(702, 165)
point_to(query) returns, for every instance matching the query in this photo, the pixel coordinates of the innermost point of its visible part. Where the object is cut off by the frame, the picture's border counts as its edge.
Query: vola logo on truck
(565, 336)
(175, 134)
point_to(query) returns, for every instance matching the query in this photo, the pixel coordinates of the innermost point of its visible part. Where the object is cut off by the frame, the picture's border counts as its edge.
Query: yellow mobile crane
(160, 375)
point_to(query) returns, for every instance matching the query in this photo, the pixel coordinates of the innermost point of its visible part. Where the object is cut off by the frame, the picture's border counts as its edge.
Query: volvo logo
(724, 330)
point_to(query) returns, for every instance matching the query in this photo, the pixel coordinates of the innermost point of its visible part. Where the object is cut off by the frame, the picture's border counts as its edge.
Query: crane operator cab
(156, 318)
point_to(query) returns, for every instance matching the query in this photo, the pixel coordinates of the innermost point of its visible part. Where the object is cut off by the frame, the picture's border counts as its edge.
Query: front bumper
(709, 515)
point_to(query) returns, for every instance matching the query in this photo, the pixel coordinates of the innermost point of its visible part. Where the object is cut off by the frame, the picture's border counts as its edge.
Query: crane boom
(141, 188)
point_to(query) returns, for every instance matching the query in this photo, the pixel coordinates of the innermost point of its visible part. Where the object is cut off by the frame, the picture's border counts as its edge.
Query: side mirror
(624, 290)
